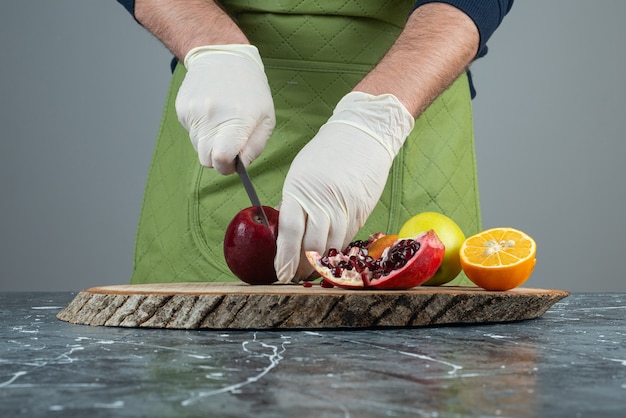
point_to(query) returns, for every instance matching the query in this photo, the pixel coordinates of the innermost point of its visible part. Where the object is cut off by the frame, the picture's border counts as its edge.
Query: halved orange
(498, 258)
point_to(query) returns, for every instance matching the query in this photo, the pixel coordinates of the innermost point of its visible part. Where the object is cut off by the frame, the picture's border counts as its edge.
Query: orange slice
(498, 258)
(376, 248)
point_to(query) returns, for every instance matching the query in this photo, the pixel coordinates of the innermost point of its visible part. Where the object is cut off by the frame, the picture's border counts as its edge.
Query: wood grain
(241, 306)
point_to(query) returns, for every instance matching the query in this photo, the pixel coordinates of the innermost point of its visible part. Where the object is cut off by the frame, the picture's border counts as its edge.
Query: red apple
(250, 246)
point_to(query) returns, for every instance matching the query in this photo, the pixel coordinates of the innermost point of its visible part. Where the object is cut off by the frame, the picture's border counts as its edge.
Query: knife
(247, 184)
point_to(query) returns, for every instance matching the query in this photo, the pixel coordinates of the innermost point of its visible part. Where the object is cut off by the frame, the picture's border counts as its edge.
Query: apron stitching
(194, 221)
(315, 66)
(396, 186)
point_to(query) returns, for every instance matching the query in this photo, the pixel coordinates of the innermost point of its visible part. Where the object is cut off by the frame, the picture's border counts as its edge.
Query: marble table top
(571, 362)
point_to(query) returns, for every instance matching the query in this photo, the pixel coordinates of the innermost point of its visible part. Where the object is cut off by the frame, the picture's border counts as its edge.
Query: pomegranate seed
(326, 284)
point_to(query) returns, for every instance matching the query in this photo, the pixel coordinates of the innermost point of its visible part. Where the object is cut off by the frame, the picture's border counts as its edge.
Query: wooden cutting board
(241, 306)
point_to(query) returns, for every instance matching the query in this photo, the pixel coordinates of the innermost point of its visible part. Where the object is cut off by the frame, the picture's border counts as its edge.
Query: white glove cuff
(241, 50)
(382, 117)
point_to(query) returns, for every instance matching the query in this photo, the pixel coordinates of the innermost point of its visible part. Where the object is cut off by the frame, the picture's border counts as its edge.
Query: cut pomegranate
(407, 263)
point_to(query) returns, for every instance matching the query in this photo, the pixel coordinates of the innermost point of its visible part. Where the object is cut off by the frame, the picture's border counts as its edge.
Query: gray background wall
(82, 86)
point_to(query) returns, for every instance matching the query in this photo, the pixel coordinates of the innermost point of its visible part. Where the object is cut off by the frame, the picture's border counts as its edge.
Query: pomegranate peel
(407, 263)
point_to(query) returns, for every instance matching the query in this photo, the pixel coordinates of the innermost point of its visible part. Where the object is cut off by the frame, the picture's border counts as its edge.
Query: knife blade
(247, 185)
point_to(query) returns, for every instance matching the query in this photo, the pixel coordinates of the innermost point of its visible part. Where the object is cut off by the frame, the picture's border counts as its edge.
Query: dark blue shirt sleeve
(486, 14)
(129, 5)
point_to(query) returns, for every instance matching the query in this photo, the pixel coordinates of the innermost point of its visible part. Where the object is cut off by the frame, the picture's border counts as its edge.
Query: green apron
(314, 53)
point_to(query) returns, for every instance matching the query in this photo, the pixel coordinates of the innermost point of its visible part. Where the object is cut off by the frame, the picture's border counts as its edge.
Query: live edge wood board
(241, 306)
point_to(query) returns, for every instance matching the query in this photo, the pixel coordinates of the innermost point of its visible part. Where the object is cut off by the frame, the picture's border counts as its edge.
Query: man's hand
(225, 101)
(336, 180)
(226, 105)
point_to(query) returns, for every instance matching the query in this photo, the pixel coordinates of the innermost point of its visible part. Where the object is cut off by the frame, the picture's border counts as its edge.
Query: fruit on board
(250, 246)
(407, 263)
(498, 258)
(448, 232)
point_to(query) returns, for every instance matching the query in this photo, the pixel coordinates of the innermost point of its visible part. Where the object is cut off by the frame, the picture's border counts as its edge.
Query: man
(353, 116)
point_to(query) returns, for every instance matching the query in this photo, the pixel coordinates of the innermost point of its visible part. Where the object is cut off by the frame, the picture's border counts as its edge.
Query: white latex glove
(226, 105)
(336, 180)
